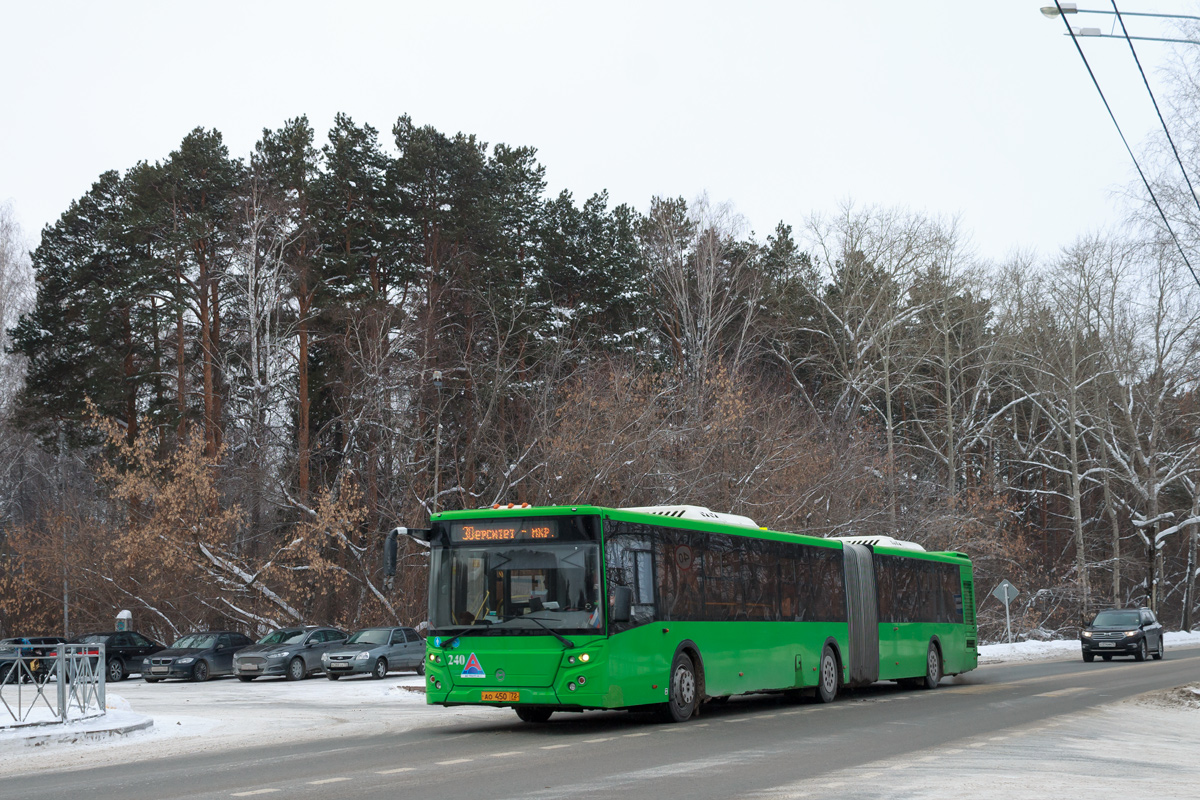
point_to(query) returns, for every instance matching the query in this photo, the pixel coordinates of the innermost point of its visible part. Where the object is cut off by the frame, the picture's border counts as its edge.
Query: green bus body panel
(631, 668)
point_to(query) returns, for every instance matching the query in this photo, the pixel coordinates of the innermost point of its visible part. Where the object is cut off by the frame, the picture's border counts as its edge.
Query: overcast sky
(982, 110)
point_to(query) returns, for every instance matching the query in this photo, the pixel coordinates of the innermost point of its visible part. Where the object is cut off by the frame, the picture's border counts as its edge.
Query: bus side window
(644, 577)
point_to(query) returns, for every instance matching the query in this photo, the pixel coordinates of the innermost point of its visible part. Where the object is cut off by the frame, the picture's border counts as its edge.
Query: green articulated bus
(548, 609)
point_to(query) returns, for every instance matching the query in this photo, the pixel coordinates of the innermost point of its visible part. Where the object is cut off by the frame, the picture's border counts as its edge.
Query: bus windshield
(525, 587)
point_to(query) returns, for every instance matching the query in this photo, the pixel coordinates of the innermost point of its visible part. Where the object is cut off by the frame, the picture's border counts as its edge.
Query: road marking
(631, 735)
(601, 739)
(1063, 692)
(978, 744)
(453, 761)
(928, 758)
(327, 780)
(982, 688)
(508, 753)
(743, 719)
(394, 771)
(833, 785)
(555, 746)
(952, 752)
(997, 738)
(766, 716)
(869, 775)
(256, 791)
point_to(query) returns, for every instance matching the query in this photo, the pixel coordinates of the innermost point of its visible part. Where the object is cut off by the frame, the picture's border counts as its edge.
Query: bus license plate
(1108, 644)
(501, 697)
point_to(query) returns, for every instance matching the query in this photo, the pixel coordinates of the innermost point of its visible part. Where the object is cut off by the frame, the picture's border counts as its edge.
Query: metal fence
(64, 685)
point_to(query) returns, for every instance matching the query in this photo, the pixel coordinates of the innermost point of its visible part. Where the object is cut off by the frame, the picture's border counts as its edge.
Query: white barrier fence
(63, 685)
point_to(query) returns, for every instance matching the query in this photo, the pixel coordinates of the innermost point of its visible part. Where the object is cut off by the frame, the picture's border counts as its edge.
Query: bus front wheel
(827, 685)
(682, 696)
(530, 714)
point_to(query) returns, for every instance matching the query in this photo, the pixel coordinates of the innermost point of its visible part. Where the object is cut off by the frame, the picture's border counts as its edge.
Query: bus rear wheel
(827, 683)
(531, 714)
(682, 694)
(933, 668)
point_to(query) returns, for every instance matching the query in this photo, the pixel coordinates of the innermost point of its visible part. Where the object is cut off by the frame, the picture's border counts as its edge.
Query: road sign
(1005, 592)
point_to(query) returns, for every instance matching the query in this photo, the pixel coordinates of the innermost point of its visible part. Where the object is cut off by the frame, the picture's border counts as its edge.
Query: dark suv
(1122, 632)
(124, 651)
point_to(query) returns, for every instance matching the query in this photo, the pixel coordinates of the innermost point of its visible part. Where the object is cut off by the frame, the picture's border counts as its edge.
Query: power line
(1161, 120)
(1125, 141)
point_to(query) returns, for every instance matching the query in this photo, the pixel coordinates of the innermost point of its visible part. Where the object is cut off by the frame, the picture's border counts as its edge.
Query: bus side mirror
(622, 603)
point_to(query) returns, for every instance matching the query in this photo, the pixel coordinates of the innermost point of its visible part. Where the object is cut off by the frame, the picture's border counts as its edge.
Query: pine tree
(91, 332)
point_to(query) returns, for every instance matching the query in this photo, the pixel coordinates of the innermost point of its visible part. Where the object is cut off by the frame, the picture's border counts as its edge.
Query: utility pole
(437, 438)
(62, 490)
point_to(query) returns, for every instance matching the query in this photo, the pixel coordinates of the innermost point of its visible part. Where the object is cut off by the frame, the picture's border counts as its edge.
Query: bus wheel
(933, 668)
(682, 698)
(828, 685)
(532, 714)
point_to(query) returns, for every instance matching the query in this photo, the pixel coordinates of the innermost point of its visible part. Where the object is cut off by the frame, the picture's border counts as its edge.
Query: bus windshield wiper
(448, 638)
(568, 644)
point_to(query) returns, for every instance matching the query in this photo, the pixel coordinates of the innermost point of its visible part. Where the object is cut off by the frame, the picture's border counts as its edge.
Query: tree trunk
(302, 412)
(1189, 591)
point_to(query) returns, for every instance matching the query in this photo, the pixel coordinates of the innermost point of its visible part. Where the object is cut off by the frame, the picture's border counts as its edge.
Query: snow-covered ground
(1063, 648)
(223, 713)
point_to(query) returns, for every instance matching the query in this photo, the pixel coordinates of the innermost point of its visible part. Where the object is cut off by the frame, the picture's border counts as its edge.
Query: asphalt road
(755, 747)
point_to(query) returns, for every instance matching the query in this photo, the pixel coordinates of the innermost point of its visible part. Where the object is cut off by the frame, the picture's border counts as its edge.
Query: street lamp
(437, 438)
(1060, 9)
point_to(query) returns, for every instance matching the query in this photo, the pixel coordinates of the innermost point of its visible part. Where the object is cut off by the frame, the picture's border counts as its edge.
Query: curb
(71, 737)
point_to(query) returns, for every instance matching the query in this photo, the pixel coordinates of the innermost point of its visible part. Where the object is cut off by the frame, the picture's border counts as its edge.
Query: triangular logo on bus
(472, 669)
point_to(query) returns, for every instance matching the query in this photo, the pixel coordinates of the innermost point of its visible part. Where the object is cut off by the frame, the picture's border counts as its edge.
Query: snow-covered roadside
(223, 713)
(1063, 648)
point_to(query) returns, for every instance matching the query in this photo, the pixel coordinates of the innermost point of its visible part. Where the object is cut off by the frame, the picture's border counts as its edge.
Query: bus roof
(653, 515)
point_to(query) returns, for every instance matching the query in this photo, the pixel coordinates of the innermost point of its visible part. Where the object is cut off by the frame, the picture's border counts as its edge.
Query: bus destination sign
(504, 530)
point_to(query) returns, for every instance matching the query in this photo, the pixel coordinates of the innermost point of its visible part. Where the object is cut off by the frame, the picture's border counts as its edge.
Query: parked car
(195, 657)
(123, 651)
(33, 650)
(376, 651)
(1122, 632)
(292, 652)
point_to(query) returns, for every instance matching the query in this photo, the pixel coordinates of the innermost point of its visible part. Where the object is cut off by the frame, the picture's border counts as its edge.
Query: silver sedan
(376, 651)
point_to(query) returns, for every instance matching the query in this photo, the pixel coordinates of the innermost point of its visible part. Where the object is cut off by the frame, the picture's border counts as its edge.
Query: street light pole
(437, 438)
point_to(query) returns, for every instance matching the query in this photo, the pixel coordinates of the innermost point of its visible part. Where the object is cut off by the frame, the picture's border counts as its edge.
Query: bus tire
(683, 690)
(933, 668)
(827, 677)
(533, 714)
